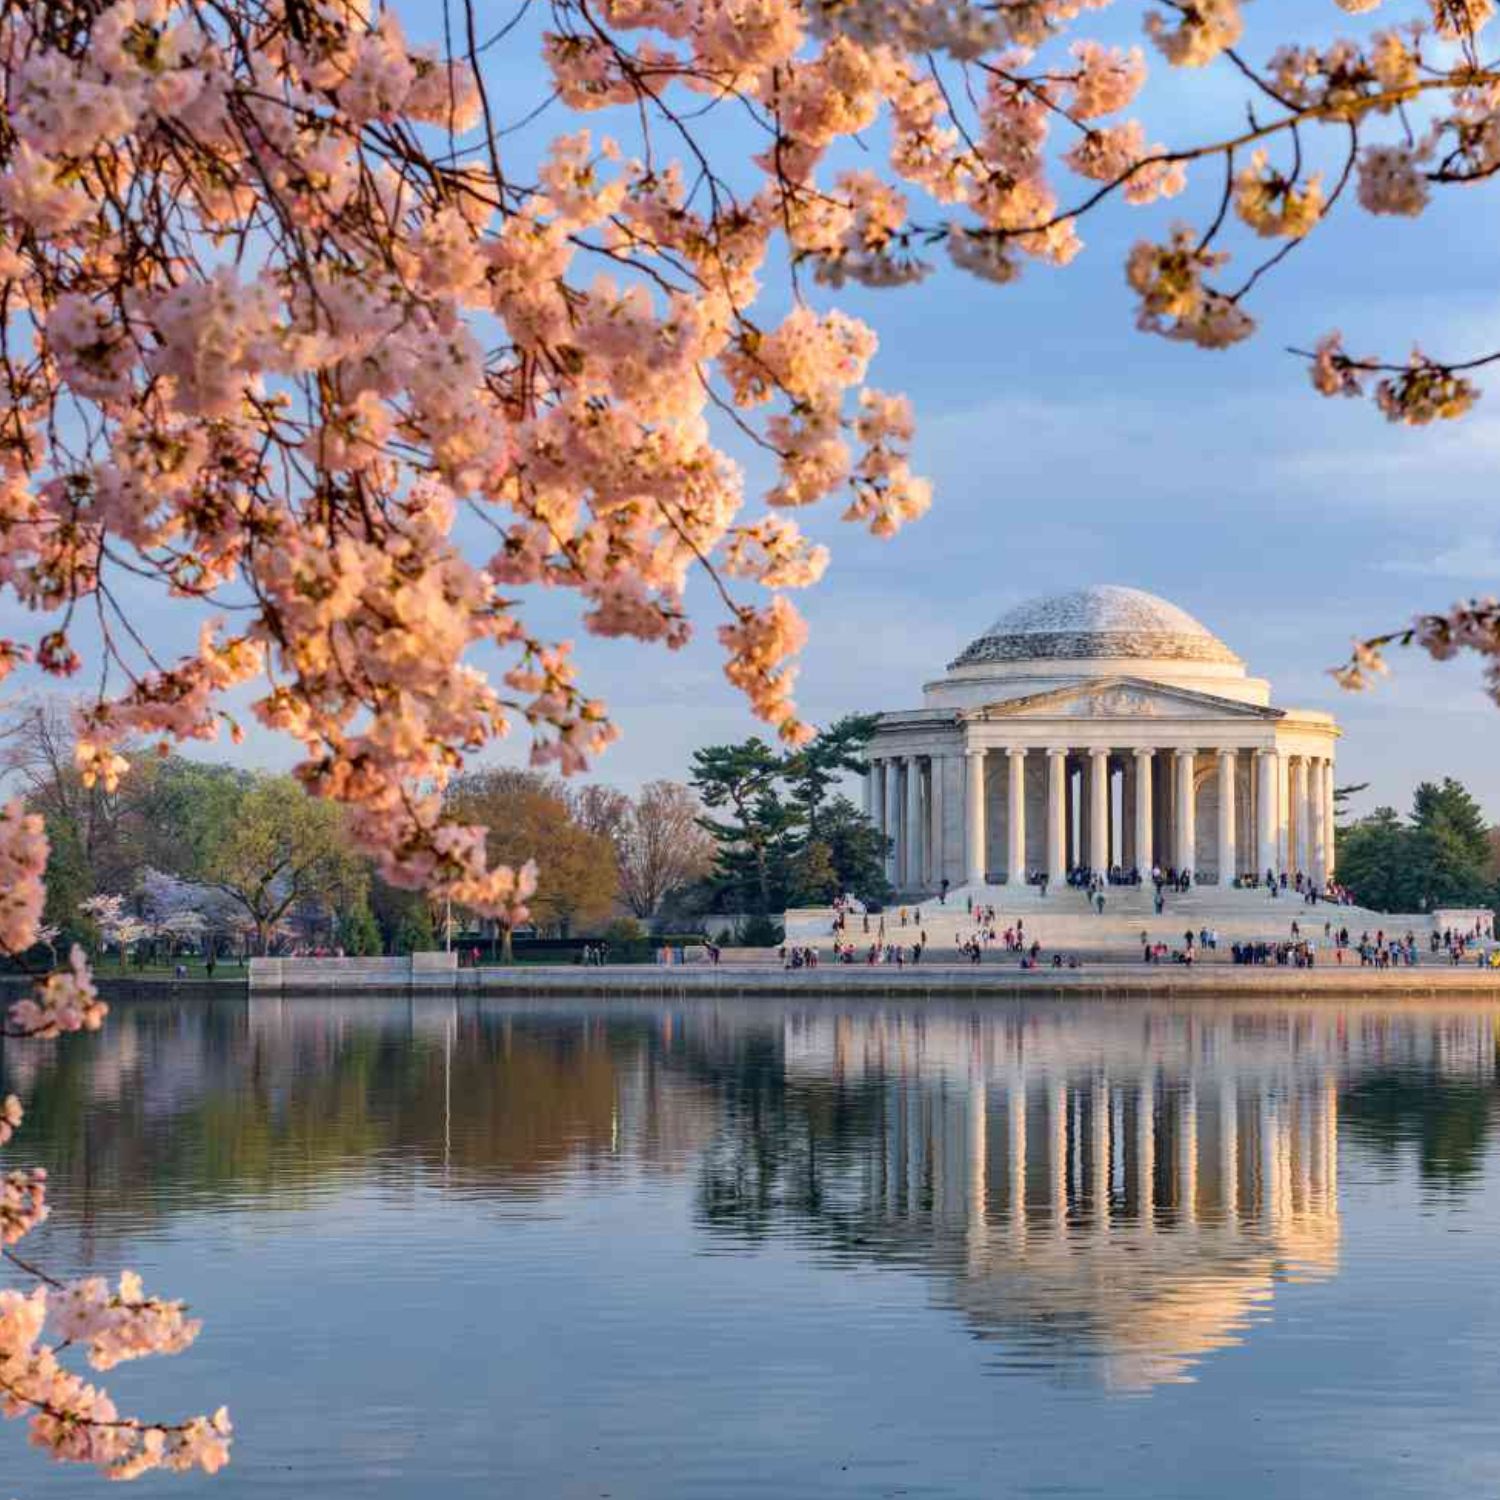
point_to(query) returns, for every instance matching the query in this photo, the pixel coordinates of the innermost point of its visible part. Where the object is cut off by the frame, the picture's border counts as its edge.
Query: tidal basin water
(784, 1249)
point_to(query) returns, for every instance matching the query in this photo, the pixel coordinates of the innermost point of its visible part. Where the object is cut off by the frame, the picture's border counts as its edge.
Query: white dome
(1106, 621)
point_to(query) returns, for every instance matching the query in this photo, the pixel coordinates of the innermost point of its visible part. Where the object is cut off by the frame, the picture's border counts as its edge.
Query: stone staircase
(1063, 920)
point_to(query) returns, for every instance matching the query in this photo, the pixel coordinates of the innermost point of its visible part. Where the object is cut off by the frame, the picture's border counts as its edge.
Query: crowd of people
(1296, 884)
(905, 940)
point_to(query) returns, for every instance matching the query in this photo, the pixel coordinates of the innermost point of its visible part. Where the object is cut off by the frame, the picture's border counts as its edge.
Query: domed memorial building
(1103, 728)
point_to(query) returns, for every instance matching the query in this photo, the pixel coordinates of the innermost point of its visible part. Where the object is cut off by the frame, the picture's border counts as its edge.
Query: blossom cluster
(23, 863)
(1472, 625)
(69, 1416)
(75, 1419)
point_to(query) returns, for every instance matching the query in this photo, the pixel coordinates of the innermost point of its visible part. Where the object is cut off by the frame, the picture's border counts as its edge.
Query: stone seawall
(1104, 982)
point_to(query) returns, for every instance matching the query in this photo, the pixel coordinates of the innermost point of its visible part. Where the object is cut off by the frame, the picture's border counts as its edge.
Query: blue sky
(1066, 448)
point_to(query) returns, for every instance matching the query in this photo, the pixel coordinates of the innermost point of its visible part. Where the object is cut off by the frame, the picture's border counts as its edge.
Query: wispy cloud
(1466, 560)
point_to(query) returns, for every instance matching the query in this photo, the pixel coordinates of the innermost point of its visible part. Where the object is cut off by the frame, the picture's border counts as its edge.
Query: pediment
(1123, 698)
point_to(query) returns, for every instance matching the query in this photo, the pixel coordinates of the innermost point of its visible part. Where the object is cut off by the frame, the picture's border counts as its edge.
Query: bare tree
(663, 848)
(602, 809)
(103, 825)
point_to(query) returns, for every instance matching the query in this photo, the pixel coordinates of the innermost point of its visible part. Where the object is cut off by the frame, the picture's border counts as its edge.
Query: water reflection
(1125, 1194)
(1108, 1194)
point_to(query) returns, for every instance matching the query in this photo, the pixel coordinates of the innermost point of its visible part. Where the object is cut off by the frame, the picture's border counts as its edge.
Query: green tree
(1450, 849)
(190, 809)
(394, 911)
(832, 753)
(783, 838)
(1440, 856)
(858, 850)
(815, 881)
(415, 933)
(359, 933)
(1343, 795)
(1372, 859)
(270, 847)
(756, 832)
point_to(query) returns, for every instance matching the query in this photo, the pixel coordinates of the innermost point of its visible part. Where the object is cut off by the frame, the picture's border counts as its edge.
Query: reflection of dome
(1106, 621)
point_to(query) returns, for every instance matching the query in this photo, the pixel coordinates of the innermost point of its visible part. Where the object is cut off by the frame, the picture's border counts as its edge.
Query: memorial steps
(1064, 921)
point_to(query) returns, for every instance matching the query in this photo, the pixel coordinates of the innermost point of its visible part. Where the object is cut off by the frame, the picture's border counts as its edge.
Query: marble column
(1098, 852)
(974, 834)
(1015, 826)
(1145, 854)
(893, 819)
(1187, 823)
(1161, 776)
(936, 833)
(869, 790)
(1057, 818)
(1300, 805)
(1072, 817)
(1078, 843)
(1318, 813)
(1265, 811)
(1283, 812)
(1330, 852)
(912, 871)
(1228, 852)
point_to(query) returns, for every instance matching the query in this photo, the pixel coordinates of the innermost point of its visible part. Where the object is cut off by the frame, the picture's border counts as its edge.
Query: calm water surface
(486, 1249)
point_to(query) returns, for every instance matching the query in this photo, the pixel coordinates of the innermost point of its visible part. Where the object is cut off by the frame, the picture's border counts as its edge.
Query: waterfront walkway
(1098, 981)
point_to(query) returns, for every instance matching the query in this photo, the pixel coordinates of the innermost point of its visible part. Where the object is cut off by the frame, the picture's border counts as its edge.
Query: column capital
(1143, 752)
(1059, 750)
(1184, 751)
(1016, 752)
(976, 752)
(1098, 753)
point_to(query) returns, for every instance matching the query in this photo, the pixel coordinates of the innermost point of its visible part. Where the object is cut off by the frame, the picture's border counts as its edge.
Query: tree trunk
(507, 955)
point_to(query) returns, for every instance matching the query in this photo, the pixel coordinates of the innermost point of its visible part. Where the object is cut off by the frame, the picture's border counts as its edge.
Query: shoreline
(1102, 982)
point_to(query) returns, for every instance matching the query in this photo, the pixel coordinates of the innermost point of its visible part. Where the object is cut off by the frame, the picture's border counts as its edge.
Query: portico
(1105, 730)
